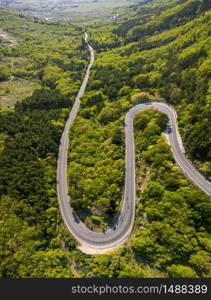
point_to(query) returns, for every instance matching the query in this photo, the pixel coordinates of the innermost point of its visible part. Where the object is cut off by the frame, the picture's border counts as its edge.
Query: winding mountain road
(118, 233)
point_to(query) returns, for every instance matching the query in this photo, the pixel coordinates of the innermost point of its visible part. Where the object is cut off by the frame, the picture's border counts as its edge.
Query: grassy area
(15, 90)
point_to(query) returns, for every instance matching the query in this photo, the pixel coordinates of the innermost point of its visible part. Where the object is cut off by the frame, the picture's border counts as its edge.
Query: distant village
(115, 17)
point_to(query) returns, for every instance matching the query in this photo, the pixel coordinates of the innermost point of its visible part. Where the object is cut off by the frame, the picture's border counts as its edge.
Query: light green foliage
(201, 261)
(51, 75)
(95, 153)
(179, 271)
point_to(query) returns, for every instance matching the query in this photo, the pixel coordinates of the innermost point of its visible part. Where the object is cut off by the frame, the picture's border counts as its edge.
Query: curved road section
(117, 234)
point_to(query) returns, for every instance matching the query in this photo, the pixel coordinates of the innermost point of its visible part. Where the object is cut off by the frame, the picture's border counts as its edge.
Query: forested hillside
(169, 57)
(31, 232)
(157, 50)
(162, 53)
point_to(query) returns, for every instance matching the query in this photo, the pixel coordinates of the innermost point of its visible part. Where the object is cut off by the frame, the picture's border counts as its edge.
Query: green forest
(157, 50)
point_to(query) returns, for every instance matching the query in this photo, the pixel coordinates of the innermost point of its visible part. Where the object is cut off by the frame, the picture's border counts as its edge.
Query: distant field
(73, 10)
(15, 90)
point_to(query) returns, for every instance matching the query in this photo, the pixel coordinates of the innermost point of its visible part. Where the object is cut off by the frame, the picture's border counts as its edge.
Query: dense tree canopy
(158, 50)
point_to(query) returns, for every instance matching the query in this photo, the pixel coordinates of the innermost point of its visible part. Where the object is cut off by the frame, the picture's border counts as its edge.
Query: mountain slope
(174, 63)
(157, 50)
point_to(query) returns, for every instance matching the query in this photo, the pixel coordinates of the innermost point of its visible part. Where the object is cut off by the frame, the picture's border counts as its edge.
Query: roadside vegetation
(170, 237)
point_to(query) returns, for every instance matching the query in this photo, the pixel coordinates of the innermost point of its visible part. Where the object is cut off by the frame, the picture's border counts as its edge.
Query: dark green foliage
(27, 182)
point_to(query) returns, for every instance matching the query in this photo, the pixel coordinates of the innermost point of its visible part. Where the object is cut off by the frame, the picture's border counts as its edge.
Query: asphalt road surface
(118, 233)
